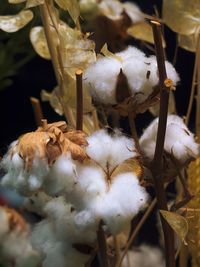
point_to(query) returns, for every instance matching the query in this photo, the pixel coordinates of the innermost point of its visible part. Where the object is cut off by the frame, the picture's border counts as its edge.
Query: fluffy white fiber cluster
(179, 141)
(75, 196)
(15, 244)
(140, 71)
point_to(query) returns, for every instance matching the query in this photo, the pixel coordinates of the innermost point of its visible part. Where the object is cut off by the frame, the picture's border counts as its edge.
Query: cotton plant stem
(192, 92)
(131, 120)
(157, 163)
(37, 110)
(183, 256)
(103, 257)
(136, 231)
(95, 120)
(117, 248)
(53, 44)
(79, 100)
(198, 93)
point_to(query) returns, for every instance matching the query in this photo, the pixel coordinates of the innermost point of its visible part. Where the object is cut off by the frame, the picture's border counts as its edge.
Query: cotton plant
(180, 142)
(15, 242)
(128, 78)
(75, 182)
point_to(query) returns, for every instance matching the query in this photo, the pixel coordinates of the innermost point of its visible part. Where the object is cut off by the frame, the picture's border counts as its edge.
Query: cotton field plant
(90, 184)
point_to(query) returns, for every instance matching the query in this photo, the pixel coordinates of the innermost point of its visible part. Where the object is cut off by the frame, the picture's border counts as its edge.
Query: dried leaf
(14, 23)
(16, 221)
(188, 42)
(38, 40)
(130, 165)
(143, 32)
(77, 137)
(182, 16)
(71, 6)
(33, 3)
(16, 1)
(107, 53)
(53, 99)
(178, 223)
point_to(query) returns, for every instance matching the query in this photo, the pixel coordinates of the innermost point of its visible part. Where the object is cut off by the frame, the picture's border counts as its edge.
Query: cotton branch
(157, 164)
(37, 110)
(79, 100)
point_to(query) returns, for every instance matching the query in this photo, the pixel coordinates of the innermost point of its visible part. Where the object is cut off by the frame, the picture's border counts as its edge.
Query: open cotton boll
(145, 256)
(179, 141)
(141, 73)
(61, 177)
(36, 203)
(101, 79)
(67, 222)
(110, 150)
(122, 202)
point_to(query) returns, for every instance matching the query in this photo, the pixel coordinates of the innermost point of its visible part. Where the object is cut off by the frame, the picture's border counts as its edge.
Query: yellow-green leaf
(71, 6)
(14, 23)
(178, 223)
(107, 53)
(188, 42)
(182, 16)
(16, 1)
(38, 40)
(143, 32)
(32, 3)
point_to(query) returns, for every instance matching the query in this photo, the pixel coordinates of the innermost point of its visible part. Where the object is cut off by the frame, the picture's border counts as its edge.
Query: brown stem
(79, 100)
(137, 229)
(198, 91)
(37, 110)
(117, 248)
(157, 163)
(183, 256)
(131, 120)
(102, 246)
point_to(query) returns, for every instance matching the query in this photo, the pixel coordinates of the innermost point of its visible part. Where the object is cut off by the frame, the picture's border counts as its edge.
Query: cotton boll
(62, 176)
(145, 256)
(36, 202)
(122, 202)
(91, 185)
(109, 151)
(101, 79)
(131, 52)
(179, 141)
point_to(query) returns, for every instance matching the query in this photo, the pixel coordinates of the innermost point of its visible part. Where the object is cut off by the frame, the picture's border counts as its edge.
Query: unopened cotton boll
(141, 73)
(179, 141)
(110, 151)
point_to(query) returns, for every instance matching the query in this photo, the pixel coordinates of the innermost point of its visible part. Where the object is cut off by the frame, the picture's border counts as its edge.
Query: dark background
(16, 113)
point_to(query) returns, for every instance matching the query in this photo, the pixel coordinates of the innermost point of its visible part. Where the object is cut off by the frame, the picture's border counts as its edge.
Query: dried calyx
(49, 142)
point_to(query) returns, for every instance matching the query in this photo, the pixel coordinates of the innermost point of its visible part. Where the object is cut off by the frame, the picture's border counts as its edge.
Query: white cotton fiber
(140, 71)
(122, 202)
(179, 141)
(101, 79)
(61, 177)
(109, 151)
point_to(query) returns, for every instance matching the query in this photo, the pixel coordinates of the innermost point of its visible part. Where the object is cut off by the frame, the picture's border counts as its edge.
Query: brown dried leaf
(77, 137)
(16, 221)
(182, 16)
(33, 3)
(77, 152)
(122, 88)
(71, 6)
(178, 223)
(14, 23)
(39, 42)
